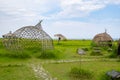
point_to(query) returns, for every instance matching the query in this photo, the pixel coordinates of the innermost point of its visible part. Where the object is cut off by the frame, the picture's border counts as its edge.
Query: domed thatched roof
(102, 37)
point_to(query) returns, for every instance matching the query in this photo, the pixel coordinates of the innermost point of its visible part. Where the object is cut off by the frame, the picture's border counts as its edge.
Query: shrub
(104, 77)
(50, 54)
(114, 52)
(15, 54)
(93, 44)
(96, 53)
(85, 49)
(80, 73)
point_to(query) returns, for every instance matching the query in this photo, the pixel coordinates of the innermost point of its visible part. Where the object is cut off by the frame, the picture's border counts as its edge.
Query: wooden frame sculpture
(28, 37)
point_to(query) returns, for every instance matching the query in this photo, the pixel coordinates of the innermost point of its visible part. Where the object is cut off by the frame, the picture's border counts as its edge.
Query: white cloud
(15, 13)
(80, 30)
(73, 29)
(111, 1)
(66, 8)
(81, 8)
(26, 8)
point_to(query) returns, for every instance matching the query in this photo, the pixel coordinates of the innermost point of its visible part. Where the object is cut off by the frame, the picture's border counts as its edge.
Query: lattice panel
(28, 37)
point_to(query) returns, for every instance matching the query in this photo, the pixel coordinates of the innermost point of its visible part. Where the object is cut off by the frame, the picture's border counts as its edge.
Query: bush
(85, 49)
(93, 44)
(104, 77)
(96, 53)
(14, 54)
(50, 54)
(80, 73)
(114, 52)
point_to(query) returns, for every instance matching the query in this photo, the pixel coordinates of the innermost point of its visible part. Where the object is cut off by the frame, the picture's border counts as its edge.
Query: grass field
(32, 67)
(98, 68)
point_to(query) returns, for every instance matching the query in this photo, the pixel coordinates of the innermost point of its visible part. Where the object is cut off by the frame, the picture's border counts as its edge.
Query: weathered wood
(28, 35)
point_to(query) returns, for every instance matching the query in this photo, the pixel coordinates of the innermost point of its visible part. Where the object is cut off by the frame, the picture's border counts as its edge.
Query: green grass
(16, 72)
(79, 73)
(97, 67)
(14, 66)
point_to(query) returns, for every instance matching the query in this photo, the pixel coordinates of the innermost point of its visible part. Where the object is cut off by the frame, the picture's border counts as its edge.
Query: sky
(75, 19)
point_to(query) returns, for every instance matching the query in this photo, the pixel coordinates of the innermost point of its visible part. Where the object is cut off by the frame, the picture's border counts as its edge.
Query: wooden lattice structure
(28, 37)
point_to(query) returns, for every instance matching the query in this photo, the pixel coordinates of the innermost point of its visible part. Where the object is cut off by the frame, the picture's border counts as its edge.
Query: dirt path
(41, 73)
(69, 61)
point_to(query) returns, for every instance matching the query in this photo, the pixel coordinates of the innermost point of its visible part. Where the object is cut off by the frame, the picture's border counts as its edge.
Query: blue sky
(75, 19)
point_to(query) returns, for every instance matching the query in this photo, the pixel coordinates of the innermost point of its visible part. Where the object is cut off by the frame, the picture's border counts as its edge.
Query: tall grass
(25, 49)
(51, 54)
(113, 53)
(104, 76)
(79, 73)
(14, 54)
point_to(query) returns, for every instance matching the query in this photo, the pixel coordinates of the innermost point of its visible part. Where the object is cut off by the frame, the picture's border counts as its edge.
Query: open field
(99, 68)
(35, 68)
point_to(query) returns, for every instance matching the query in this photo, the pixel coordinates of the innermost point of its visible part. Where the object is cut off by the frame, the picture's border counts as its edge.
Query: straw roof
(102, 37)
(61, 36)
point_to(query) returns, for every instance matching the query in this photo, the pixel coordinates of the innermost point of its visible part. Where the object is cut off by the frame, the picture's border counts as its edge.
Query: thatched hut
(60, 36)
(103, 39)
